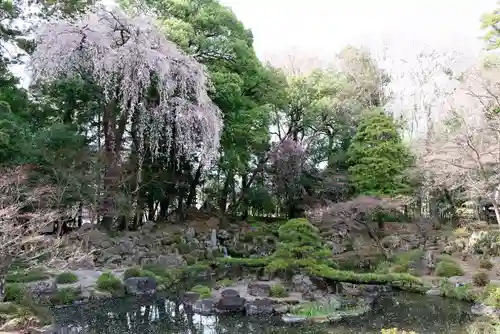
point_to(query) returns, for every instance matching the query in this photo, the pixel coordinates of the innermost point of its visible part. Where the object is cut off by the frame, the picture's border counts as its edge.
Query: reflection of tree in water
(155, 315)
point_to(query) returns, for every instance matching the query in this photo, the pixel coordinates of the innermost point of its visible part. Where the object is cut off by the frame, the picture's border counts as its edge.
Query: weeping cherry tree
(146, 82)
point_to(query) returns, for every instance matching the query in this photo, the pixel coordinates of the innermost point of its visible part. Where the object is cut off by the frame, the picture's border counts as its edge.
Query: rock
(139, 286)
(148, 226)
(434, 292)
(481, 309)
(281, 309)
(293, 319)
(190, 298)
(259, 289)
(190, 234)
(204, 307)
(224, 235)
(259, 307)
(459, 280)
(42, 289)
(230, 305)
(302, 284)
(227, 293)
(430, 260)
(171, 261)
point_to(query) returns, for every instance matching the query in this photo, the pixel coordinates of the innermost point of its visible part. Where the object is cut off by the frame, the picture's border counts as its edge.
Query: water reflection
(158, 315)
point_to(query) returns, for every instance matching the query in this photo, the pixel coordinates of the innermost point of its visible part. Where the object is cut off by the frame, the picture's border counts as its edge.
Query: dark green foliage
(378, 158)
(299, 244)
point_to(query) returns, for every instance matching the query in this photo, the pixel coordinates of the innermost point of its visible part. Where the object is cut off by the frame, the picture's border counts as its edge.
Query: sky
(319, 28)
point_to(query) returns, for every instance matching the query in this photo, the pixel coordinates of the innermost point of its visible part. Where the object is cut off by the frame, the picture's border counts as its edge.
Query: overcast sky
(320, 28)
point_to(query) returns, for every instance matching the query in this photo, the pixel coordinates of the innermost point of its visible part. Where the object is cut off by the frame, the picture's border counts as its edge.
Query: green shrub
(481, 279)
(491, 296)
(66, 278)
(485, 264)
(278, 291)
(65, 296)
(132, 272)
(203, 290)
(109, 283)
(461, 292)
(14, 292)
(448, 269)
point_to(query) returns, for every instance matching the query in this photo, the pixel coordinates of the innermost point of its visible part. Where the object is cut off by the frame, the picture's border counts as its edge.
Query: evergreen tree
(378, 158)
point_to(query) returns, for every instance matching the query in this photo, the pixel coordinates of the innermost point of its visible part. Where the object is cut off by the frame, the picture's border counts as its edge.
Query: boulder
(139, 286)
(227, 293)
(42, 289)
(259, 289)
(231, 304)
(302, 284)
(259, 307)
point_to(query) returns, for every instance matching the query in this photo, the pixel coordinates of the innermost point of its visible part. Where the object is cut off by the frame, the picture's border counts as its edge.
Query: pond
(423, 314)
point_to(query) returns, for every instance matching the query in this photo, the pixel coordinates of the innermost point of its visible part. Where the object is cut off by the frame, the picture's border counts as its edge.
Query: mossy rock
(66, 278)
(108, 282)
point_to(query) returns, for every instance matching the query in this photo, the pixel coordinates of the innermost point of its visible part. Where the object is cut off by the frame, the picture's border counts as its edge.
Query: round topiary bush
(481, 279)
(132, 272)
(66, 278)
(109, 283)
(448, 269)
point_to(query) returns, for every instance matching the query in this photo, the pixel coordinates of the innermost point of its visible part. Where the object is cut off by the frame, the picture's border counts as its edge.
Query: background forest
(114, 130)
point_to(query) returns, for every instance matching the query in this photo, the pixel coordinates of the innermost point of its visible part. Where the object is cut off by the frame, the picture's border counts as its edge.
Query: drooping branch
(127, 57)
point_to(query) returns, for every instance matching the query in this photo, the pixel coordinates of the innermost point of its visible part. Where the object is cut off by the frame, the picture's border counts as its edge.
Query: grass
(315, 309)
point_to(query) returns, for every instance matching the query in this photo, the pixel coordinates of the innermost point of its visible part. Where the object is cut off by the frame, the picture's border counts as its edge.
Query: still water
(423, 314)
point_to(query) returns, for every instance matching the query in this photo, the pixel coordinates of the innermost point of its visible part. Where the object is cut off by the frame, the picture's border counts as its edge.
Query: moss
(203, 290)
(249, 262)
(26, 276)
(109, 283)
(446, 268)
(480, 279)
(66, 278)
(14, 292)
(65, 296)
(278, 291)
